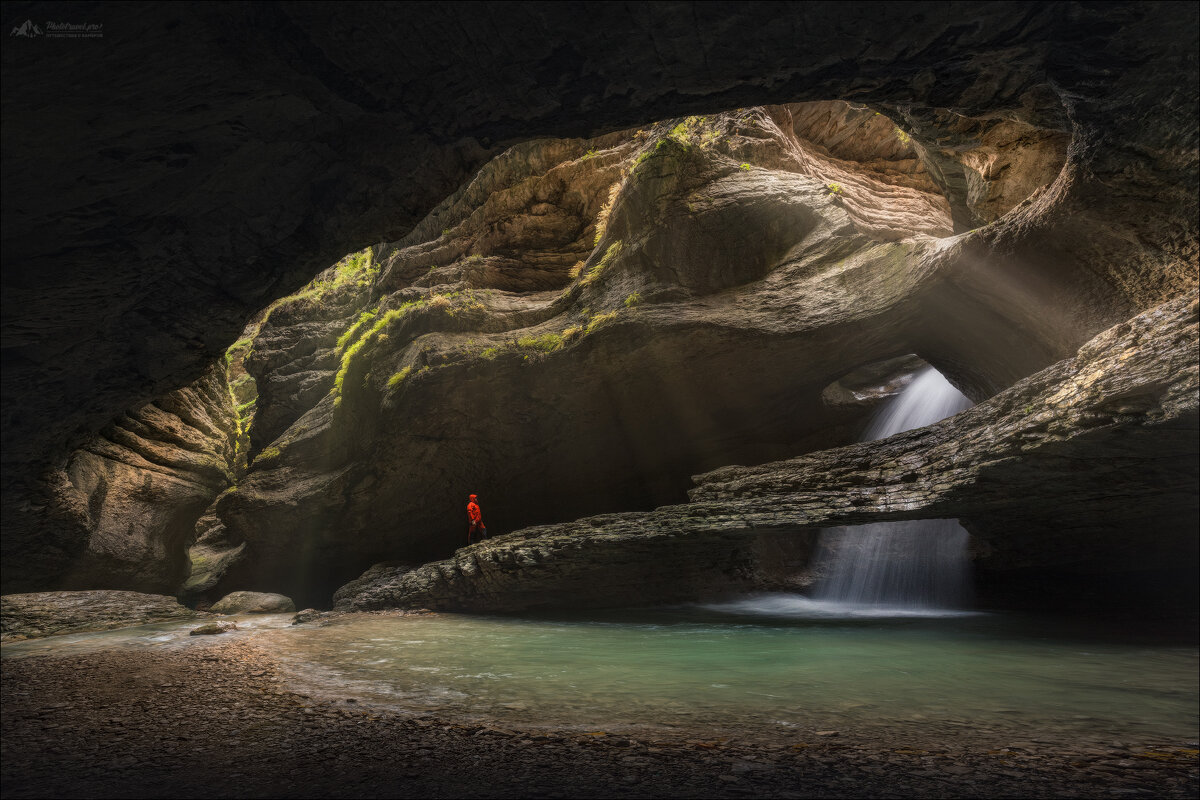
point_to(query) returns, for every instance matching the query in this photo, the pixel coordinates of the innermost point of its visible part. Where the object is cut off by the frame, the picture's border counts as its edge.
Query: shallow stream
(773, 664)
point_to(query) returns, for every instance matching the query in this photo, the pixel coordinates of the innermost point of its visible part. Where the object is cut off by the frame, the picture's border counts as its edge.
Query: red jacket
(473, 514)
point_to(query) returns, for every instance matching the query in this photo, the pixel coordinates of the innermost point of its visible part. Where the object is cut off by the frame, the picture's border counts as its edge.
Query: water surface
(769, 663)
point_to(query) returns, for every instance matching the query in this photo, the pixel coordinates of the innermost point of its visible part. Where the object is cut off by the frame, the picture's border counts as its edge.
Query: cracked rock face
(1031, 473)
(255, 145)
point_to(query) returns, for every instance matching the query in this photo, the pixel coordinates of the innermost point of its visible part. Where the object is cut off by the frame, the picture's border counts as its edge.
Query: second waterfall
(913, 564)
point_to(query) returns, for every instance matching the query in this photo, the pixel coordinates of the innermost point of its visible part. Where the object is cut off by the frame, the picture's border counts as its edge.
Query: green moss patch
(611, 253)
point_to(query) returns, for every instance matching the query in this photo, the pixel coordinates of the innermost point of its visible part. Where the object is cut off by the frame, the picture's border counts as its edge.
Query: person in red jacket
(475, 520)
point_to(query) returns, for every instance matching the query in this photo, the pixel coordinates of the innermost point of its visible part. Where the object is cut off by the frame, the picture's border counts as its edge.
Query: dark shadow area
(1124, 599)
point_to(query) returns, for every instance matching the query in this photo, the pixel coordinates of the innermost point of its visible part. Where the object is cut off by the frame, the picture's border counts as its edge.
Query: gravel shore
(217, 721)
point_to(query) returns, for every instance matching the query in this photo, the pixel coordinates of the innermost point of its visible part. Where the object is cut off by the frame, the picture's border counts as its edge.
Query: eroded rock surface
(211, 555)
(1056, 470)
(38, 614)
(594, 322)
(600, 562)
(253, 603)
(258, 144)
(130, 497)
(1030, 472)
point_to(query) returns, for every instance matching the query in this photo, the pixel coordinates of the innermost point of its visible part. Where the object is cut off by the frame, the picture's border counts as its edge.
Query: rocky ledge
(1019, 471)
(31, 616)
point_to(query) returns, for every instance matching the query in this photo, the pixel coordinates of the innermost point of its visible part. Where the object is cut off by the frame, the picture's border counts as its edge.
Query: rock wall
(1034, 474)
(1057, 470)
(133, 494)
(255, 145)
(579, 330)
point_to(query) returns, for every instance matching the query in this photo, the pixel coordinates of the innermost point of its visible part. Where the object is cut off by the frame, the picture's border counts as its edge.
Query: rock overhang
(1116, 233)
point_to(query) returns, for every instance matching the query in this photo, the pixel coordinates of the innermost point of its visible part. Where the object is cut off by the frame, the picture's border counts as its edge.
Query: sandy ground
(216, 721)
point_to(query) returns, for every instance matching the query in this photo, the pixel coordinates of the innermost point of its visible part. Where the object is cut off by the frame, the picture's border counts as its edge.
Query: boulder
(214, 628)
(307, 615)
(38, 614)
(253, 603)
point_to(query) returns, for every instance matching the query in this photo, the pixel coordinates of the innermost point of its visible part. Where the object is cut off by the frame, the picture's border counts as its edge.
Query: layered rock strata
(38, 614)
(257, 144)
(594, 322)
(130, 497)
(1057, 470)
(600, 562)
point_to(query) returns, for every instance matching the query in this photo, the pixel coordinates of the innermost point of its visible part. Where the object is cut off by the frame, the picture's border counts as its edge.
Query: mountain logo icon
(27, 29)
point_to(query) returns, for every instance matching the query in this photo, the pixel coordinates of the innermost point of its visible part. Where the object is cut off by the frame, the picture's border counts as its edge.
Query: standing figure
(475, 524)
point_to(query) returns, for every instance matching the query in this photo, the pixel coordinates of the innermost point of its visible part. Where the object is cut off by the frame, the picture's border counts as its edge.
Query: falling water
(928, 399)
(917, 564)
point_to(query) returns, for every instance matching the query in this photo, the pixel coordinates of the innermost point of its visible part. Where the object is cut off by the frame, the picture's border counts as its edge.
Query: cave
(277, 300)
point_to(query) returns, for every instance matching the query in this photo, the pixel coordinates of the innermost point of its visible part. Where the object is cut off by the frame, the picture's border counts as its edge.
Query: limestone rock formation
(253, 603)
(1031, 473)
(38, 614)
(132, 494)
(210, 557)
(213, 629)
(257, 144)
(596, 321)
(1055, 471)
(869, 384)
(572, 566)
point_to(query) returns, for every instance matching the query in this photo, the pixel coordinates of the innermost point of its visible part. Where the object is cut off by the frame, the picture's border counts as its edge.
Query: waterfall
(928, 399)
(914, 564)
